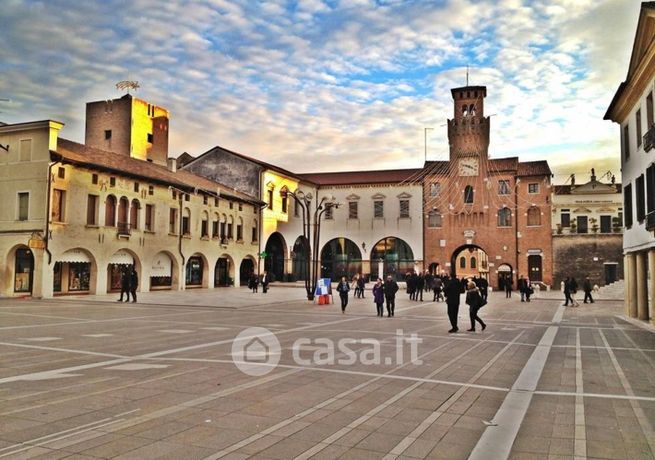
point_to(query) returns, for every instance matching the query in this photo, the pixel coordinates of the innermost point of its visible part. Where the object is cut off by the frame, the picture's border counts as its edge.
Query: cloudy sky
(317, 85)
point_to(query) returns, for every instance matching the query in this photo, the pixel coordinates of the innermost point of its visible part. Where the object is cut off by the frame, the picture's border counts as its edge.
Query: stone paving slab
(93, 378)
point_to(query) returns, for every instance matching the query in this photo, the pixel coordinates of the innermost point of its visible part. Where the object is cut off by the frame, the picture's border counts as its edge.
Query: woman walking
(378, 297)
(474, 301)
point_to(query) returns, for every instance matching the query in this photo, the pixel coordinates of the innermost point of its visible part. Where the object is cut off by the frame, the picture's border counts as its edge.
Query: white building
(632, 108)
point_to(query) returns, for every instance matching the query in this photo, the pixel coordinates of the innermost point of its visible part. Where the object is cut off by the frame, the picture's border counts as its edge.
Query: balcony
(123, 229)
(649, 139)
(650, 221)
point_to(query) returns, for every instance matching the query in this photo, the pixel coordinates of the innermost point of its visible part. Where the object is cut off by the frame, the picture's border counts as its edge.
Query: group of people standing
(254, 281)
(382, 291)
(129, 283)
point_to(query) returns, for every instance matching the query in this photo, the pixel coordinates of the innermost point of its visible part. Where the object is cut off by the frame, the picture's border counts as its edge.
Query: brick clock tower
(476, 208)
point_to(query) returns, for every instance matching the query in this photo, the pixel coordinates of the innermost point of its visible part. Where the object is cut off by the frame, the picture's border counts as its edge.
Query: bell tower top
(468, 131)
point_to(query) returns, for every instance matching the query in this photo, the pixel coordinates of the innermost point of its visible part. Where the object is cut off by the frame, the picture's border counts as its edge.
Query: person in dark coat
(586, 287)
(265, 282)
(342, 288)
(361, 284)
(411, 285)
(390, 289)
(508, 287)
(522, 287)
(134, 283)
(125, 285)
(567, 292)
(452, 290)
(437, 287)
(573, 290)
(484, 288)
(378, 297)
(254, 282)
(474, 301)
(420, 284)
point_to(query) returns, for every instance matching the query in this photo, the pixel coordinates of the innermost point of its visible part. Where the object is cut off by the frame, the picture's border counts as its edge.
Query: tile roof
(534, 168)
(75, 153)
(389, 176)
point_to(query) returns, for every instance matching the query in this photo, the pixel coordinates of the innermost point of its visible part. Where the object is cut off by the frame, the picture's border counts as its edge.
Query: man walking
(484, 288)
(125, 285)
(390, 289)
(420, 284)
(265, 282)
(508, 287)
(361, 284)
(342, 288)
(452, 290)
(586, 287)
(134, 283)
(521, 286)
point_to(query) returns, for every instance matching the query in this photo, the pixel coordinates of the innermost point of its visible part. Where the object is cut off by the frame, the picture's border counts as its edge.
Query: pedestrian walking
(390, 289)
(522, 287)
(573, 292)
(475, 302)
(134, 283)
(361, 284)
(567, 292)
(586, 287)
(342, 288)
(452, 289)
(355, 286)
(254, 282)
(484, 288)
(410, 281)
(125, 285)
(528, 289)
(378, 297)
(265, 282)
(420, 284)
(437, 288)
(508, 287)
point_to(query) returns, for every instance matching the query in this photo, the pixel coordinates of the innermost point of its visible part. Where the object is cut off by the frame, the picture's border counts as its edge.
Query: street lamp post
(311, 230)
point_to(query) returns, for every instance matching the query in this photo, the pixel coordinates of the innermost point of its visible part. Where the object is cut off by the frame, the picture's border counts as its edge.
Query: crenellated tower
(468, 131)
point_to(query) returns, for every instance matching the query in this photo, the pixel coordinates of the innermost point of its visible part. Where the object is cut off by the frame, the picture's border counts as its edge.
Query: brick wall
(573, 255)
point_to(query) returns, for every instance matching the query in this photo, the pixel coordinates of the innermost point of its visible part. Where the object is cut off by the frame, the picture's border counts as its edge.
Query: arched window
(255, 231)
(435, 219)
(215, 221)
(504, 217)
(123, 211)
(474, 262)
(134, 214)
(230, 227)
(186, 222)
(534, 216)
(462, 262)
(240, 229)
(468, 195)
(204, 225)
(110, 211)
(223, 227)
(472, 110)
(464, 110)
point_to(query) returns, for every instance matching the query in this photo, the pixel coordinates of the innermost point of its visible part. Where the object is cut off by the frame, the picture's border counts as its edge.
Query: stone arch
(276, 254)
(164, 271)
(117, 263)
(110, 211)
(340, 257)
(247, 267)
(75, 270)
(300, 259)
(469, 261)
(196, 271)
(394, 256)
(224, 271)
(19, 273)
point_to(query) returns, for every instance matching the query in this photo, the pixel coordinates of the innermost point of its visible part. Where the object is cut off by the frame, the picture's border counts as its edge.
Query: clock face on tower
(468, 167)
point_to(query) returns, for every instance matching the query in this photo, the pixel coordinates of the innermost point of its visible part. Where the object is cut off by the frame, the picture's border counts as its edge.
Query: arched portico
(276, 251)
(75, 271)
(393, 256)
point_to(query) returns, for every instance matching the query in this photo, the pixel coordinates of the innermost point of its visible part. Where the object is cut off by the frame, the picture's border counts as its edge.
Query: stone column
(630, 285)
(642, 286)
(651, 270)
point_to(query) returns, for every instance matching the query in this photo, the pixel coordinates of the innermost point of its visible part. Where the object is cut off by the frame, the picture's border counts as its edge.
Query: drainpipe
(179, 236)
(47, 211)
(516, 222)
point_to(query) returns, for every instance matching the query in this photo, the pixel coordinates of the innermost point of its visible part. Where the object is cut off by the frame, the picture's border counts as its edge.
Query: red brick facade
(472, 207)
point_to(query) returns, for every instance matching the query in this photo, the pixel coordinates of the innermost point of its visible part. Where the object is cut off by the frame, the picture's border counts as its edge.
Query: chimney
(171, 163)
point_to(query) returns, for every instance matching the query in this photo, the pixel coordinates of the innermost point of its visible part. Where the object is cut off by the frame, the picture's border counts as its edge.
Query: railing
(123, 229)
(649, 139)
(650, 221)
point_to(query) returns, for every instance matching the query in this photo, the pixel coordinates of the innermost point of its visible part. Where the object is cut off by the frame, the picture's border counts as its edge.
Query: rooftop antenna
(127, 85)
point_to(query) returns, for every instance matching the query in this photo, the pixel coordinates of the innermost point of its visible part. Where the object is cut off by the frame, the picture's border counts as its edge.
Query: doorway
(611, 273)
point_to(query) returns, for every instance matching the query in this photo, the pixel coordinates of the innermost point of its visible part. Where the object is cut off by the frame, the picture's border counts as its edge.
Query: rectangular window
(112, 182)
(23, 205)
(58, 205)
(94, 179)
(25, 153)
(626, 142)
(503, 187)
(434, 219)
(640, 201)
(92, 210)
(329, 212)
(172, 221)
(150, 138)
(284, 204)
(533, 188)
(638, 127)
(583, 224)
(565, 218)
(187, 197)
(151, 190)
(270, 200)
(205, 199)
(404, 209)
(215, 229)
(435, 189)
(649, 111)
(378, 209)
(61, 173)
(216, 201)
(174, 194)
(627, 205)
(230, 226)
(186, 225)
(254, 235)
(650, 188)
(239, 232)
(150, 218)
(223, 231)
(241, 207)
(231, 205)
(136, 187)
(107, 134)
(352, 210)
(204, 229)
(605, 224)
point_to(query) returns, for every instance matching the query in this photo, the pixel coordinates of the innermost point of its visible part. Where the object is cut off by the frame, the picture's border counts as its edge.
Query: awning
(162, 265)
(74, 256)
(121, 258)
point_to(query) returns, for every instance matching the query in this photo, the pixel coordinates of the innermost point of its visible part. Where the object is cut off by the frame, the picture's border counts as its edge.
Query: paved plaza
(89, 377)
